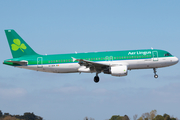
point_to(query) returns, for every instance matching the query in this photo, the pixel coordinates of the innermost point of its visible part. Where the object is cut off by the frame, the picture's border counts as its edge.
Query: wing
(97, 66)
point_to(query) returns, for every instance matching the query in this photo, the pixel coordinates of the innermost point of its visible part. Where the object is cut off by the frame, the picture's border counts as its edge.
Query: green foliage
(167, 117)
(116, 117)
(125, 117)
(6, 114)
(1, 114)
(29, 116)
(26, 116)
(152, 116)
(159, 117)
(120, 118)
(141, 118)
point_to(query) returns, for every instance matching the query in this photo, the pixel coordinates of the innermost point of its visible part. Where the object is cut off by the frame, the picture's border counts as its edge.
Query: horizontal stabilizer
(23, 63)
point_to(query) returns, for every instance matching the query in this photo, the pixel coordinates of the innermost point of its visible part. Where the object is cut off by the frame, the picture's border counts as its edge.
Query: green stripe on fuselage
(92, 56)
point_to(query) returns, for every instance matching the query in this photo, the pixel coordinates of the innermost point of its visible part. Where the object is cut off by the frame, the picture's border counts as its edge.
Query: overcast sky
(55, 27)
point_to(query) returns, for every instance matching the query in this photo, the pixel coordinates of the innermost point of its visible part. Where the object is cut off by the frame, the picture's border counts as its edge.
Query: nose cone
(176, 60)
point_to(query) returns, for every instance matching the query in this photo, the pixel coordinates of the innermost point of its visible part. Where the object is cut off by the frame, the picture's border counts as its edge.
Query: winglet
(74, 59)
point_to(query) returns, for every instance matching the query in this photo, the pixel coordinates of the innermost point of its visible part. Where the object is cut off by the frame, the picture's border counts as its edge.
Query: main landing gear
(96, 78)
(155, 75)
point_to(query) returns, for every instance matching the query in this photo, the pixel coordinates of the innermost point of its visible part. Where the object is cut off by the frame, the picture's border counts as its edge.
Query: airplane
(116, 63)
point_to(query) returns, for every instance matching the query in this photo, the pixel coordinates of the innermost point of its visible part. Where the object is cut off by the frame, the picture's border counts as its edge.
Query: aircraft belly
(149, 63)
(63, 68)
(55, 68)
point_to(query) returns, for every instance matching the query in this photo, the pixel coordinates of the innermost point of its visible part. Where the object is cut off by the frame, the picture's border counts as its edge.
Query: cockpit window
(167, 54)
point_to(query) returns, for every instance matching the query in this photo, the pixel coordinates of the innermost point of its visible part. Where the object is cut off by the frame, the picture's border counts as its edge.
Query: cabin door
(155, 55)
(39, 62)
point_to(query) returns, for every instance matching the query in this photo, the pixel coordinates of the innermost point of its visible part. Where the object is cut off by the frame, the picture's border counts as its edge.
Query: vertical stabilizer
(17, 45)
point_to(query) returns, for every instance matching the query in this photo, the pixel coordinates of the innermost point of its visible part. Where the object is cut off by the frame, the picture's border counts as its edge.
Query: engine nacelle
(117, 70)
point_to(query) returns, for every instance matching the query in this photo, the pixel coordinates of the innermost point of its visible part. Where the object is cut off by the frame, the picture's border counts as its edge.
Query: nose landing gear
(155, 75)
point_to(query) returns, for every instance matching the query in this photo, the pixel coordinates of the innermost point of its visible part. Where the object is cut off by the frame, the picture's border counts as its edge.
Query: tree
(31, 116)
(153, 114)
(174, 118)
(125, 117)
(1, 114)
(120, 118)
(167, 117)
(135, 116)
(159, 117)
(147, 116)
(140, 118)
(117, 117)
(6, 114)
(86, 118)
(114, 117)
(9, 118)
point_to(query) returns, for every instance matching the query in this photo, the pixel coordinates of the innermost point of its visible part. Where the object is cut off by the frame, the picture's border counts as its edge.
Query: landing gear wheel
(156, 76)
(96, 79)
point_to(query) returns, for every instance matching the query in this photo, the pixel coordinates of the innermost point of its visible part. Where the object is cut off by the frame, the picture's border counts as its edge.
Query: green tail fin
(17, 45)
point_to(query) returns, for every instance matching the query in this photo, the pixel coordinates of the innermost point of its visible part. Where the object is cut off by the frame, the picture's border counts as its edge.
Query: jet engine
(116, 70)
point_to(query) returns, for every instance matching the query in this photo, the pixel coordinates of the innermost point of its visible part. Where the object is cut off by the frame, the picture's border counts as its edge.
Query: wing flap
(97, 66)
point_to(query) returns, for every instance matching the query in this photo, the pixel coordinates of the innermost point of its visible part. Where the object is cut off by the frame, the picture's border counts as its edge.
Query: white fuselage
(131, 64)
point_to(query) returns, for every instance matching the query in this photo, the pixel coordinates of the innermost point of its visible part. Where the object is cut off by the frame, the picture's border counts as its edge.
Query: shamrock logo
(17, 45)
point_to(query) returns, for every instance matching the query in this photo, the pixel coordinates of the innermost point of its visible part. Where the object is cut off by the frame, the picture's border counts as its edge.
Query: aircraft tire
(155, 76)
(96, 79)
